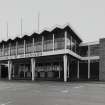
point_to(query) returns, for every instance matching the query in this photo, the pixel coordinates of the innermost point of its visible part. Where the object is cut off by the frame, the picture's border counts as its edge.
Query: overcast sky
(87, 17)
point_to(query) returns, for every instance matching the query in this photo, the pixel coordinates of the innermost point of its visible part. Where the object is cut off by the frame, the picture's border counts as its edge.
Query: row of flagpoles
(21, 26)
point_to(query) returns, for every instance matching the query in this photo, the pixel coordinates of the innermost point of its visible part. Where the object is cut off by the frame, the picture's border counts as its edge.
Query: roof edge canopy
(47, 30)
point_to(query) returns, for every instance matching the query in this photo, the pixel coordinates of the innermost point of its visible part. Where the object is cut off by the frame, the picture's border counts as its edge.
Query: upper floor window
(21, 47)
(83, 51)
(48, 42)
(29, 46)
(94, 50)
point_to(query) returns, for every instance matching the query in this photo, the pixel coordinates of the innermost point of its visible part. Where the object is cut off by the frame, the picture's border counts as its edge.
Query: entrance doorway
(94, 70)
(83, 70)
(4, 71)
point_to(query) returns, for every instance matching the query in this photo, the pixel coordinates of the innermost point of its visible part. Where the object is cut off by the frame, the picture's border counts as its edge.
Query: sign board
(33, 55)
(21, 56)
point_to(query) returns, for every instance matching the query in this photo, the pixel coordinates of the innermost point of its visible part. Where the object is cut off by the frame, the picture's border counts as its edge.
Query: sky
(86, 17)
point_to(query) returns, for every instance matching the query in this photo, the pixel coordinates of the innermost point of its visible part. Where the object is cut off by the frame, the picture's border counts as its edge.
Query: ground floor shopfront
(59, 67)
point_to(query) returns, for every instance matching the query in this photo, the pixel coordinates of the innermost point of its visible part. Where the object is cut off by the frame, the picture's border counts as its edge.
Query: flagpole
(21, 26)
(7, 30)
(38, 21)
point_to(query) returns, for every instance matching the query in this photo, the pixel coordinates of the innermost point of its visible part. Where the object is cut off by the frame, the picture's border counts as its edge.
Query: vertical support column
(33, 68)
(78, 69)
(88, 62)
(42, 42)
(65, 67)
(88, 69)
(65, 40)
(9, 69)
(53, 42)
(13, 70)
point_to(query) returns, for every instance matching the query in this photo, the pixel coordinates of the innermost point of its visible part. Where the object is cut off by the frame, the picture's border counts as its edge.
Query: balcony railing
(48, 45)
(34, 46)
(6, 51)
(59, 43)
(1, 52)
(29, 48)
(38, 47)
(20, 49)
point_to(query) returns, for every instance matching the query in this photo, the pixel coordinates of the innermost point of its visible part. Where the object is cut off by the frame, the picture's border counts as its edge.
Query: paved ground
(51, 93)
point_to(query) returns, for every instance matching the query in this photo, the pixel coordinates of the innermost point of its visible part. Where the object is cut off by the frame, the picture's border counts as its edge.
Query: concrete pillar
(59, 74)
(33, 68)
(88, 69)
(65, 40)
(13, 71)
(78, 69)
(88, 62)
(65, 67)
(53, 42)
(9, 69)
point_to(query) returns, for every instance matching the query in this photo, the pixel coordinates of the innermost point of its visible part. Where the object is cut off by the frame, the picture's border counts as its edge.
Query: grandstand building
(59, 54)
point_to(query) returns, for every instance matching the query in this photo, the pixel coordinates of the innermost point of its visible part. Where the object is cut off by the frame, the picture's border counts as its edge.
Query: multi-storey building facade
(58, 54)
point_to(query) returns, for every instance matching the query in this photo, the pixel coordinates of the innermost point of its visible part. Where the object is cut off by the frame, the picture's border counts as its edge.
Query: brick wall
(102, 60)
(94, 50)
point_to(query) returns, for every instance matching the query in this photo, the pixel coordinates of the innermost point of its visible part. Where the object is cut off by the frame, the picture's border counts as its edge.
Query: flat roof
(89, 43)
